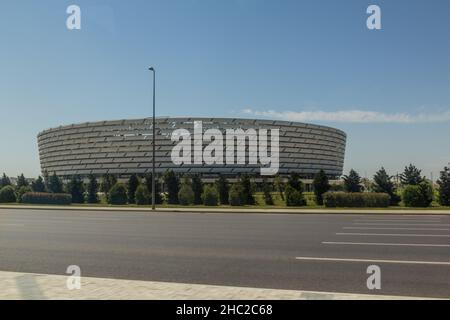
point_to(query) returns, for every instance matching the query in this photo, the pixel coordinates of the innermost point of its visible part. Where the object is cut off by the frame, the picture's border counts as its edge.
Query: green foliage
(47, 198)
(320, 185)
(118, 194)
(186, 194)
(197, 187)
(92, 190)
(7, 194)
(38, 185)
(224, 189)
(268, 200)
(148, 183)
(133, 183)
(294, 197)
(295, 182)
(210, 195)
(236, 195)
(356, 200)
(279, 186)
(420, 195)
(143, 196)
(21, 181)
(411, 176)
(247, 190)
(383, 184)
(173, 186)
(76, 188)
(55, 184)
(4, 181)
(21, 191)
(444, 187)
(107, 182)
(352, 182)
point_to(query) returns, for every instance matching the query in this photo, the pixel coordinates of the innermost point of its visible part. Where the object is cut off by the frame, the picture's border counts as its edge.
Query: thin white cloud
(353, 116)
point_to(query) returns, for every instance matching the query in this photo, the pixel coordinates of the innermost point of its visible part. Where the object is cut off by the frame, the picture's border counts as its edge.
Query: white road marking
(392, 234)
(11, 225)
(386, 244)
(407, 221)
(402, 224)
(444, 263)
(388, 228)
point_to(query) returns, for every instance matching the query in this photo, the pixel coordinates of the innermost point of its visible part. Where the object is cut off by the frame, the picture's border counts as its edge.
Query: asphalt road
(326, 252)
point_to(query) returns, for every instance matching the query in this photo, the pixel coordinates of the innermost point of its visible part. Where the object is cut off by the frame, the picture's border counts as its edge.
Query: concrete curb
(238, 210)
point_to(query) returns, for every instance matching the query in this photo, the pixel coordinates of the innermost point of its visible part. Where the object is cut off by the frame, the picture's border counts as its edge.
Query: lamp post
(154, 141)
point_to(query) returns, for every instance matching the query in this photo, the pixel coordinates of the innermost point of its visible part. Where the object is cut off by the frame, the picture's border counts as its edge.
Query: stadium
(124, 147)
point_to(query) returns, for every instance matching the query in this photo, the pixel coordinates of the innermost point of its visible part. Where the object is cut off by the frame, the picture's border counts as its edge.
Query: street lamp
(154, 141)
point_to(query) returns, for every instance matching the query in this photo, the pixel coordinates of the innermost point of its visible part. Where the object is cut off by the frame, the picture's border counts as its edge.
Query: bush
(420, 195)
(142, 195)
(47, 198)
(7, 195)
(186, 195)
(118, 194)
(210, 196)
(21, 191)
(235, 196)
(294, 198)
(356, 200)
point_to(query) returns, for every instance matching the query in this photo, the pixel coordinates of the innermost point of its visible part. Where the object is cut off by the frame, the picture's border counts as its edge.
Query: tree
(411, 176)
(133, 184)
(148, 183)
(294, 197)
(7, 194)
(186, 194)
(210, 195)
(4, 181)
(268, 200)
(235, 197)
(173, 186)
(76, 188)
(55, 184)
(38, 185)
(420, 195)
(279, 186)
(295, 182)
(92, 190)
(352, 182)
(247, 189)
(143, 196)
(223, 189)
(383, 184)
(444, 187)
(46, 180)
(21, 181)
(197, 187)
(321, 185)
(118, 194)
(107, 182)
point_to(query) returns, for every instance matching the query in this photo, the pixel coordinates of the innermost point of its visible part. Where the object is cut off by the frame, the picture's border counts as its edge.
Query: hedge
(356, 200)
(418, 196)
(7, 195)
(47, 198)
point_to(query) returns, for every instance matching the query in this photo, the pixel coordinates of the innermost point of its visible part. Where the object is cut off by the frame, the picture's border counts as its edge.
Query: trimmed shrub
(118, 194)
(356, 200)
(210, 196)
(294, 198)
(420, 195)
(235, 197)
(7, 195)
(21, 191)
(47, 198)
(186, 195)
(142, 195)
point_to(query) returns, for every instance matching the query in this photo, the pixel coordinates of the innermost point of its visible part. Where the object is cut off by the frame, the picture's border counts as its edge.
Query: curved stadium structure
(124, 147)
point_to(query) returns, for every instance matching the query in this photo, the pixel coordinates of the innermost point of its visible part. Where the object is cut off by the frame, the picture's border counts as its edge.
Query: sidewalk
(29, 286)
(237, 210)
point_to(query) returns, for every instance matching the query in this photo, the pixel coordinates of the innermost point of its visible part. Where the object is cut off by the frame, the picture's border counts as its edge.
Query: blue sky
(312, 61)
